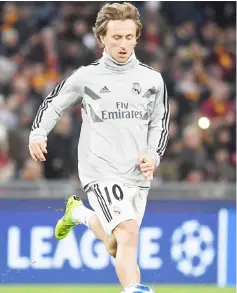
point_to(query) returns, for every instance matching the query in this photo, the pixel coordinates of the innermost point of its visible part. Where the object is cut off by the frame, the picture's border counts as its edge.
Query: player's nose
(122, 45)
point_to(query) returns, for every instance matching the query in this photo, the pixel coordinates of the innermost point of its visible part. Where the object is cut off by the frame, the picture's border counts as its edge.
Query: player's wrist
(38, 133)
(155, 157)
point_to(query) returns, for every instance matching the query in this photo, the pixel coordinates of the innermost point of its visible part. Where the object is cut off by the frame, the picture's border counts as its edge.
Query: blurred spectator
(7, 70)
(193, 154)
(7, 166)
(195, 176)
(224, 171)
(18, 149)
(193, 45)
(32, 171)
(61, 161)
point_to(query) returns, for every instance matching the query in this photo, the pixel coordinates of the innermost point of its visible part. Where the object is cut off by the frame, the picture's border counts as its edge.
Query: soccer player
(124, 134)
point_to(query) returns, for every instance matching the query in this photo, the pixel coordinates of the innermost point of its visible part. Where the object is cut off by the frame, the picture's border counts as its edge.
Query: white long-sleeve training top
(125, 114)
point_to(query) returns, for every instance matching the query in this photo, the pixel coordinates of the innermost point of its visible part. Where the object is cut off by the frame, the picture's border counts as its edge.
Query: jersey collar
(114, 65)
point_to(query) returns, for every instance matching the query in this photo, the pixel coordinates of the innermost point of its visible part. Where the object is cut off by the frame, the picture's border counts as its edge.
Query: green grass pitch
(109, 289)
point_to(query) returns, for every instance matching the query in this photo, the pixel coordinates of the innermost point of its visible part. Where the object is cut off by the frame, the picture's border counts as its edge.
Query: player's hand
(147, 166)
(37, 149)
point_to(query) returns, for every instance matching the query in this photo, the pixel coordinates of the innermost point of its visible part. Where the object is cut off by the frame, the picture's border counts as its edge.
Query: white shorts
(115, 203)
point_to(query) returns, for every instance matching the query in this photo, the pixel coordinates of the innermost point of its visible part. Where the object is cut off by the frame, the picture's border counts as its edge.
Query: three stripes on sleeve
(46, 103)
(165, 119)
(165, 126)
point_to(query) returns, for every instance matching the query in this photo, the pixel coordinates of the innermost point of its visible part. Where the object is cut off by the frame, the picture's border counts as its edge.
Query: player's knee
(111, 245)
(126, 233)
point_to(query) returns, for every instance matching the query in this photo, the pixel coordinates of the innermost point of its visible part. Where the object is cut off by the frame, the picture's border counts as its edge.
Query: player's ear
(102, 40)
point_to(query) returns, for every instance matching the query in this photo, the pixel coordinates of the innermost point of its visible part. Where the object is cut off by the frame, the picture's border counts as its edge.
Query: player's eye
(116, 37)
(129, 37)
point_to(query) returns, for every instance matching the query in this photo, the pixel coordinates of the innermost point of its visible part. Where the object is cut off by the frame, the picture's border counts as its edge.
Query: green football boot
(65, 224)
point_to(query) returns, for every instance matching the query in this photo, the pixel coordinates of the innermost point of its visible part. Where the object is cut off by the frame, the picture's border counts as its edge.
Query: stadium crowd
(192, 44)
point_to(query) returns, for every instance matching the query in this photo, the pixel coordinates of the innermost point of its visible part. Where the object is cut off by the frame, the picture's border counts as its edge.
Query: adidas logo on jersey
(104, 90)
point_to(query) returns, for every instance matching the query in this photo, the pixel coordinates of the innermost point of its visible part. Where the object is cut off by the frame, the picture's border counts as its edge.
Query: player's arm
(158, 132)
(64, 95)
(158, 129)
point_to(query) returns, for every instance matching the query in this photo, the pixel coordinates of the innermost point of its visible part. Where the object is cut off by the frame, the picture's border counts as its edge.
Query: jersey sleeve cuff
(38, 133)
(155, 157)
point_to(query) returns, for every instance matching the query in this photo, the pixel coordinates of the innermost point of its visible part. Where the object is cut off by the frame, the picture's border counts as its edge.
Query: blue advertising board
(176, 245)
(231, 248)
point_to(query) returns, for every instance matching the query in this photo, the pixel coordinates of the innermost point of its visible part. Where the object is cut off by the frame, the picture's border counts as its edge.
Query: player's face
(120, 39)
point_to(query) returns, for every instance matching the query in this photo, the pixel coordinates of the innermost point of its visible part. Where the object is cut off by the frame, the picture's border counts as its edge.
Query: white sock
(131, 285)
(82, 215)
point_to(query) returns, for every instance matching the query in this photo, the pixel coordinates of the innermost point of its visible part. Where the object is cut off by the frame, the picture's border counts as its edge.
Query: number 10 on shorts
(116, 191)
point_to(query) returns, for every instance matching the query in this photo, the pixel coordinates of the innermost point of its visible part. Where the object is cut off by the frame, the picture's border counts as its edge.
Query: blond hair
(116, 11)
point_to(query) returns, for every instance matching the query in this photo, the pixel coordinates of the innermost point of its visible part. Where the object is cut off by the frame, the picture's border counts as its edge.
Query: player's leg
(139, 205)
(92, 221)
(76, 213)
(112, 203)
(126, 234)
(109, 240)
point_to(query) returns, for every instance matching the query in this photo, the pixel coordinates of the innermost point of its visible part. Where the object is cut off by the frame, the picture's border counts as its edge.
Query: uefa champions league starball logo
(192, 248)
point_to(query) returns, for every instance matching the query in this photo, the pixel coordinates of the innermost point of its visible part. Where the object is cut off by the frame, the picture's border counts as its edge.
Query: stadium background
(193, 45)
